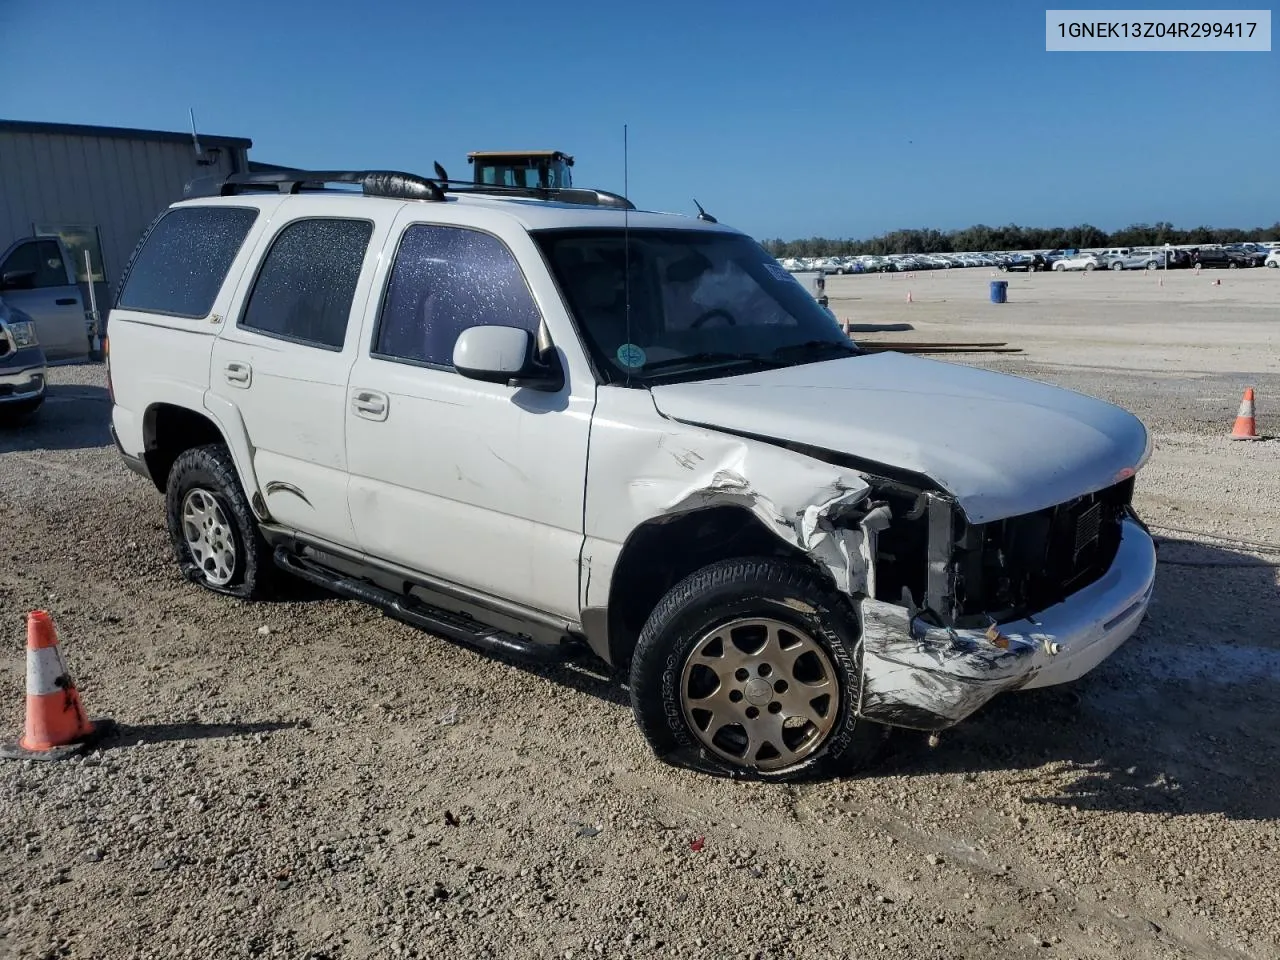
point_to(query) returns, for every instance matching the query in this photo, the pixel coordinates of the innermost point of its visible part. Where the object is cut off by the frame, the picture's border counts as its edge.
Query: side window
(37, 263)
(307, 281)
(184, 259)
(444, 280)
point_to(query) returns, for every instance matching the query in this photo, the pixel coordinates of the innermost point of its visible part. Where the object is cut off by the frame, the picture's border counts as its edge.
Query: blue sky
(840, 119)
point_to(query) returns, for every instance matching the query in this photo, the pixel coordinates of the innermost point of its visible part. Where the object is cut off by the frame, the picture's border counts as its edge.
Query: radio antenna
(626, 251)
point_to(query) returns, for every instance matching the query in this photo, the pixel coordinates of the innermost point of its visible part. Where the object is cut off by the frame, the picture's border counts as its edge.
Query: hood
(1001, 445)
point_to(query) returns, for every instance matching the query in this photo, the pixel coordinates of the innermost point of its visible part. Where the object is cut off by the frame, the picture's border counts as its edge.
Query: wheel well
(661, 553)
(167, 431)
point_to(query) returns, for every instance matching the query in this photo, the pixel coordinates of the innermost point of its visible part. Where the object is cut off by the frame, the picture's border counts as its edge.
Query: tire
(1088, 267)
(203, 496)
(1153, 265)
(1117, 265)
(1059, 267)
(1273, 264)
(1233, 265)
(779, 595)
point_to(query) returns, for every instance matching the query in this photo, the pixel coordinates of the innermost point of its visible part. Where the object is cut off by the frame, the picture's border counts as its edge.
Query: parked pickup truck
(546, 422)
(22, 367)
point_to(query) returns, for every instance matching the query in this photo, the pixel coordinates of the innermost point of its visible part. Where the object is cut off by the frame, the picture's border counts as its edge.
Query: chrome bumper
(921, 676)
(26, 384)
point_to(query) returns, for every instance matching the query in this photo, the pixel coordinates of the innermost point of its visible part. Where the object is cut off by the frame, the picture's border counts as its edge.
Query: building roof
(123, 133)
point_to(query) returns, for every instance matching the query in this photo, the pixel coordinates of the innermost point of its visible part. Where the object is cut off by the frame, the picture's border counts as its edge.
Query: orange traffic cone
(56, 726)
(1245, 427)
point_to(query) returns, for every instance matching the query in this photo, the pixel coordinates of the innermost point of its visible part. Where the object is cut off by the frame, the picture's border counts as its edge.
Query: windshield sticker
(629, 355)
(778, 270)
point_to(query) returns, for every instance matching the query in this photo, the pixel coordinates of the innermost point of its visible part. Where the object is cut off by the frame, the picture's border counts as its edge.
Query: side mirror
(18, 280)
(505, 355)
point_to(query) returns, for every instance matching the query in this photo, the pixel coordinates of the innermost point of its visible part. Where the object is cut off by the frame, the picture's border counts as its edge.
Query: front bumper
(22, 375)
(925, 677)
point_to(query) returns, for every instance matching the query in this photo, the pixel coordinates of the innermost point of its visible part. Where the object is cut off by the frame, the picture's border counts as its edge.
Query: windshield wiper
(713, 356)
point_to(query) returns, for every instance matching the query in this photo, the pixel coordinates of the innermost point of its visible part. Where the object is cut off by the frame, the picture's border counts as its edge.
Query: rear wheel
(214, 534)
(1088, 267)
(1117, 265)
(1152, 264)
(752, 668)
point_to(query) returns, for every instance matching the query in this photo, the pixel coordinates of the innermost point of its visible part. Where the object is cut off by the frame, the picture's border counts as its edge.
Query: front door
(479, 484)
(37, 278)
(284, 356)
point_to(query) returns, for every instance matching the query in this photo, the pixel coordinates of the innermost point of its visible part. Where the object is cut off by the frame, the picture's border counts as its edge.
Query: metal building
(97, 188)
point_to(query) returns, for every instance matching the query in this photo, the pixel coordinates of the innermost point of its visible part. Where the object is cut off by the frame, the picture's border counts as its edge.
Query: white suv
(535, 420)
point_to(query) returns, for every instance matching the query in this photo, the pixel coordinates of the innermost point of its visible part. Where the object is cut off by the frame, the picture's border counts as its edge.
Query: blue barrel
(999, 291)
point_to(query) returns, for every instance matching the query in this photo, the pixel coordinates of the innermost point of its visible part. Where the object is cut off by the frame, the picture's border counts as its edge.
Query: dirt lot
(309, 779)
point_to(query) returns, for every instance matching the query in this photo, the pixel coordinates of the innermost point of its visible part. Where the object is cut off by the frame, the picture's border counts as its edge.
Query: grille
(1017, 566)
(1088, 525)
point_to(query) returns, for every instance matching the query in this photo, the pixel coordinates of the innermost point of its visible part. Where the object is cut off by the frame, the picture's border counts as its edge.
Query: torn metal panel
(927, 677)
(644, 467)
(799, 499)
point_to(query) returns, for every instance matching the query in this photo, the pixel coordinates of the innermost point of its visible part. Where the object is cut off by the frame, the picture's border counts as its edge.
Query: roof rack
(394, 184)
(373, 183)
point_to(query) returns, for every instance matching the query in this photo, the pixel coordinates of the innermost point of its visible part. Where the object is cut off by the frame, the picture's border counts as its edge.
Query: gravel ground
(309, 779)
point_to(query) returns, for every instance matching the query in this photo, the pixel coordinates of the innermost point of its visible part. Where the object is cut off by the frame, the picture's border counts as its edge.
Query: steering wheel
(714, 311)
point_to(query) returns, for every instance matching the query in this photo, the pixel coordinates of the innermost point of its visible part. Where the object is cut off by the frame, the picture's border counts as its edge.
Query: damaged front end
(959, 612)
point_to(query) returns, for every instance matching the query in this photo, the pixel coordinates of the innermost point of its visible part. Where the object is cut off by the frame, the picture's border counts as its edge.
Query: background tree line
(1013, 237)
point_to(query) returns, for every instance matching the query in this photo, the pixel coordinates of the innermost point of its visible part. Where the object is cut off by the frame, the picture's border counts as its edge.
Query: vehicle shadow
(73, 417)
(1182, 719)
(123, 736)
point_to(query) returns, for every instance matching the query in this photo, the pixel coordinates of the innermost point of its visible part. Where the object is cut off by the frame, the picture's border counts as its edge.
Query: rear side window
(444, 280)
(183, 261)
(308, 279)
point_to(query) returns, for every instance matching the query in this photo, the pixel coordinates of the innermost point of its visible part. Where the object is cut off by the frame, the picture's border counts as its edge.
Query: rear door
(37, 278)
(283, 360)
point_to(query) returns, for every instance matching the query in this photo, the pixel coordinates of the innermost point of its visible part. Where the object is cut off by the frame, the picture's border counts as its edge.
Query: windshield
(701, 303)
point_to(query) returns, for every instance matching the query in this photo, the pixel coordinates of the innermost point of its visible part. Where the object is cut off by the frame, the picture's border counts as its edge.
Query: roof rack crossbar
(373, 183)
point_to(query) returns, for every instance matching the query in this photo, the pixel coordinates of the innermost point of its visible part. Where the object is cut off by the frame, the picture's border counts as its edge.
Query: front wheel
(752, 668)
(214, 534)
(1117, 266)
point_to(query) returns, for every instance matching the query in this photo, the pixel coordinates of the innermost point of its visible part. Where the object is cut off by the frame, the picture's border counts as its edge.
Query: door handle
(369, 404)
(238, 374)
(66, 301)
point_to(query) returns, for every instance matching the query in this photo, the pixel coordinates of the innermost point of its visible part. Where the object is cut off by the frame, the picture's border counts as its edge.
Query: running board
(451, 626)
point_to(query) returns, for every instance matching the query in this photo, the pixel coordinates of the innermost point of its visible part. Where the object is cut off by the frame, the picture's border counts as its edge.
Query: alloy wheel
(760, 693)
